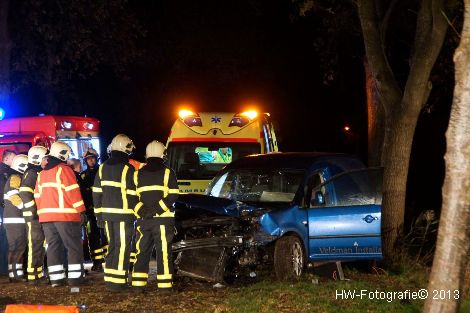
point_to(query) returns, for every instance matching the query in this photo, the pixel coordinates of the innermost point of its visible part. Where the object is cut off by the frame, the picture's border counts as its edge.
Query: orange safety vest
(57, 195)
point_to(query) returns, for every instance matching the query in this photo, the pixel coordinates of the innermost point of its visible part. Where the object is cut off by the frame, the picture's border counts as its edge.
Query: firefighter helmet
(122, 143)
(35, 154)
(20, 163)
(90, 153)
(108, 150)
(155, 149)
(60, 150)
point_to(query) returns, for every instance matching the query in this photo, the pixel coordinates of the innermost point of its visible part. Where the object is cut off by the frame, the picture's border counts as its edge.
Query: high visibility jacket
(5, 172)
(114, 196)
(13, 213)
(27, 192)
(57, 194)
(157, 189)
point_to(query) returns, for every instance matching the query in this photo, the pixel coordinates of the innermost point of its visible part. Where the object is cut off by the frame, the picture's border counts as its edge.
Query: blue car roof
(298, 160)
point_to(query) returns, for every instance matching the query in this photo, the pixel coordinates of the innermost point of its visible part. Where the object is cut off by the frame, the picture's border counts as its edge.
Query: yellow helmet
(20, 163)
(155, 149)
(60, 150)
(35, 154)
(122, 143)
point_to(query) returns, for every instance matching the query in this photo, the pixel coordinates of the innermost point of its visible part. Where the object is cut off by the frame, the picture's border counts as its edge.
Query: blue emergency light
(2, 113)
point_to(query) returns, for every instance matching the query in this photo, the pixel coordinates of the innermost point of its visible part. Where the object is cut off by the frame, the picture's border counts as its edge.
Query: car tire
(289, 258)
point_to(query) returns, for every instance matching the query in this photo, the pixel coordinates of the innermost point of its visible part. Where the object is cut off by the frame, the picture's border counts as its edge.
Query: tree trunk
(454, 231)
(5, 53)
(375, 120)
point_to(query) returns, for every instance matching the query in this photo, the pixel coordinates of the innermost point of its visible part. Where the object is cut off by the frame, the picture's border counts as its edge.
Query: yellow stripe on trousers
(166, 269)
(122, 247)
(30, 246)
(138, 242)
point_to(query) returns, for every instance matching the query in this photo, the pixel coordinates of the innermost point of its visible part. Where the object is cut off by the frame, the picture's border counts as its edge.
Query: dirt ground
(189, 296)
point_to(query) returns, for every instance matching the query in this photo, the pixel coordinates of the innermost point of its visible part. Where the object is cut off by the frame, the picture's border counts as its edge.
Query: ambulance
(201, 144)
(80, 133)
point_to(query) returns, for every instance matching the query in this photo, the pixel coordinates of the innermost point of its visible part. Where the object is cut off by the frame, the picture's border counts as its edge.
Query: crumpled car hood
(195, 204)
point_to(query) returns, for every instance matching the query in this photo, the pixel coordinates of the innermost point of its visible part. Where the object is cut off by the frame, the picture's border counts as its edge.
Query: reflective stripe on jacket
(157, 189)
(114, 196)
(27, 192)
(13, 212)
(57, 195)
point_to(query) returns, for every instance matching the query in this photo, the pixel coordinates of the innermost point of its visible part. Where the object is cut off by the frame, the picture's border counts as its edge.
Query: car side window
(313, 182)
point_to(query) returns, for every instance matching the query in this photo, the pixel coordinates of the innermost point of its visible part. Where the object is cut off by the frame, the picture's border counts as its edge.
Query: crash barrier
(34, 308)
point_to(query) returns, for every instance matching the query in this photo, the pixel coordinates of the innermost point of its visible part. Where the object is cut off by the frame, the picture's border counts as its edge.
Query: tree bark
(454, 231)
(5, 54)
(375, 120)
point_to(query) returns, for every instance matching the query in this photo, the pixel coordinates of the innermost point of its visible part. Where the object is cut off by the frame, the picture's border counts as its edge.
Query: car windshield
(257, 185)
(203, 160)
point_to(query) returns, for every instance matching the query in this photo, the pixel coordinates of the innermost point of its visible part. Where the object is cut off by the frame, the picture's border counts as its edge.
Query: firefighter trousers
(62, 237)
(16, 237)
(36, 250)
(156, 232)
(97, 242)
(116, 267)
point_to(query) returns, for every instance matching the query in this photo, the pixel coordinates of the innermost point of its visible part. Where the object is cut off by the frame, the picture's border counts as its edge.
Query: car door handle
(369, 218)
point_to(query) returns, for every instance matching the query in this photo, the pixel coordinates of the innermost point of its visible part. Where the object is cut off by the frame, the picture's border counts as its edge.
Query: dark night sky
(225, 55)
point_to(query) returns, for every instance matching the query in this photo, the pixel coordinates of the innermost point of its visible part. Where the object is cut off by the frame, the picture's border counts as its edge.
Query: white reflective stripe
(71, 187)
(20, 206)
(75, 267)
(11, 275)
(37, 195)
(20, 273)
(26, 189)
(10, 266)
(29, 204)
(57, 210)
(74, 274)
(13, 220)
(55, 268)
(19, 266)
(56, 276)
(59, 190)
(11, 193)
(77, 204)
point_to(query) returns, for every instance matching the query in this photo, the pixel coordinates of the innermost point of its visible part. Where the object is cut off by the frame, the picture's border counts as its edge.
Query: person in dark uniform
(114, 199)
(35, 234)
(157, 189)
(97, 243)
(13, 219)
(5, 172)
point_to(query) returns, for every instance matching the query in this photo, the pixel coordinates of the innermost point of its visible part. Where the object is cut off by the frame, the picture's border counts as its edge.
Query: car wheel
(289, 259)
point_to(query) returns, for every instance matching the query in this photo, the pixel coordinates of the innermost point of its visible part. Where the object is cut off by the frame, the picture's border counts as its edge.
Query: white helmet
(155, 149)
(122, 143)
(108, 150)
(35, 154)
(60, 150)
(20, 163)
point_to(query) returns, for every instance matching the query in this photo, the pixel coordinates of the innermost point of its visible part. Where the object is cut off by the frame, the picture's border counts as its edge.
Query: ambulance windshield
(202, 160)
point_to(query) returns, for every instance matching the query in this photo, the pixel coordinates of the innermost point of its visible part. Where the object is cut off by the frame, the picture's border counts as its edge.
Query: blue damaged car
(282, 210)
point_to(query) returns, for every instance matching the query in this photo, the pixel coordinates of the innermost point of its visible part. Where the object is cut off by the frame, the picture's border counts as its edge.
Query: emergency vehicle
(201, 144)
(80, 133)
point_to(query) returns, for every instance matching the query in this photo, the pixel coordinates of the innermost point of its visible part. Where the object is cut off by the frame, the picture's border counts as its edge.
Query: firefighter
(61, 213)
(13, 219)
(114, 199)
(35, 235)
(97, 244)
(157, 189)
